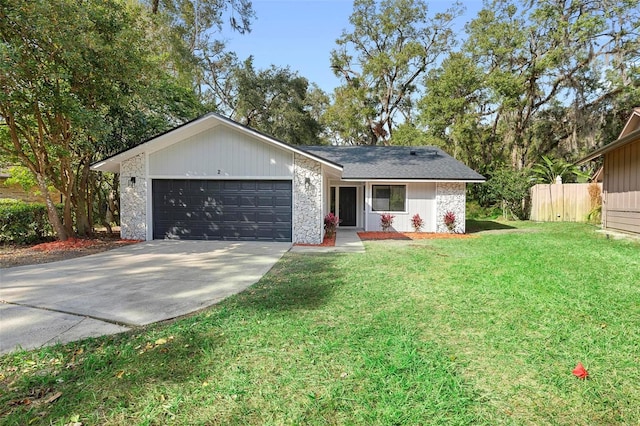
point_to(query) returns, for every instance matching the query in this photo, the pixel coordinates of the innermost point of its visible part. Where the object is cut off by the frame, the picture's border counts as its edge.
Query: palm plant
(548, 170)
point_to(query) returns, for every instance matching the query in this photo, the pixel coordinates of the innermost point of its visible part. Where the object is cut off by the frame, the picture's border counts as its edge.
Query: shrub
(595, 195)
(23, 223)
(510, 189)
(417, 222)
(386, 220)
(450, 221)
(477, 211)
(331, 222)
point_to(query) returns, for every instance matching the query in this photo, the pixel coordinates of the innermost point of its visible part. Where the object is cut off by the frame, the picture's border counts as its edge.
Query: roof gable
(630, 133)
(633, 123)
(190, 129)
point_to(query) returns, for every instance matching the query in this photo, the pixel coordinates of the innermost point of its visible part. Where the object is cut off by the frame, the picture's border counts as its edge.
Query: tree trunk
(52, 212)
(67, 216)
(82, 205)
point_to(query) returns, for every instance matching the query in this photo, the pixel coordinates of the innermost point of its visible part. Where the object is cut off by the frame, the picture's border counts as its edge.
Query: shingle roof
(395, 162)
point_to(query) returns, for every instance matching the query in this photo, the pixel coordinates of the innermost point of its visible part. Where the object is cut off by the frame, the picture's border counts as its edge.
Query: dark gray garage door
(222, 209)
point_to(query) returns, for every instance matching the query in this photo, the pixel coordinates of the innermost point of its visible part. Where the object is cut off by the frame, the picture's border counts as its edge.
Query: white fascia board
(415, 180)
(627, 127)
(107, 165)
(219, 177)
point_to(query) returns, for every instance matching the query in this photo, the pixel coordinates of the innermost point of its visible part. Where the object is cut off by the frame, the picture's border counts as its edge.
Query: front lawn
(462, 331)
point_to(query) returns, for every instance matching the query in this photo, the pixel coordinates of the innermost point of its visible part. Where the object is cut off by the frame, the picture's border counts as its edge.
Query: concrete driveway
(111, 292)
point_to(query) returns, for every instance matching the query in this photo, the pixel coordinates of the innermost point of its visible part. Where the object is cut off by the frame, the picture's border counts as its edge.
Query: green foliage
(448, 111)
(380, 60)
(23, 223)
(510, 189)
(66, 68)
(23, 177)
(476, 211)
(595, 215)
(275, 102)
(186, 30)
(407, 134)
(83, 80)
(549, 169)
(535, 78)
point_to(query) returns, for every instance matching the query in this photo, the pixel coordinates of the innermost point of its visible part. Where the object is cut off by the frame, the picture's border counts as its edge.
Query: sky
(300, 34)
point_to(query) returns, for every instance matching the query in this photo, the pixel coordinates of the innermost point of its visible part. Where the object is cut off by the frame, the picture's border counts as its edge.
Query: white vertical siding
(221, 152)
(420, 199)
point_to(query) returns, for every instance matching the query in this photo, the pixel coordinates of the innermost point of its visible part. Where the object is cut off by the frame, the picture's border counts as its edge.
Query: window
(389, 198)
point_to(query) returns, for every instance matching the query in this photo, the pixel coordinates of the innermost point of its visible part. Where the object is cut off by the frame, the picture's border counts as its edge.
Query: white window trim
(406, 198)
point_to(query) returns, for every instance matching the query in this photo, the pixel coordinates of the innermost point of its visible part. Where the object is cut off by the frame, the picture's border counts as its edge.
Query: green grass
(476, 331)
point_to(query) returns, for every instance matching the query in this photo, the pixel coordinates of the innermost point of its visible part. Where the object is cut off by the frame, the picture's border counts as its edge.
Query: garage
(242, 210)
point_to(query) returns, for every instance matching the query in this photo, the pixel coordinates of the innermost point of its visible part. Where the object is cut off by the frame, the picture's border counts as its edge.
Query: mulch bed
(77, 243)
(326, 242)
(370, 235)
(20, 255)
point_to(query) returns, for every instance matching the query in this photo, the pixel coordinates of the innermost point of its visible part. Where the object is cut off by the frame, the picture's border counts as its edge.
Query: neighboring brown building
(16, 192)
(621, 179)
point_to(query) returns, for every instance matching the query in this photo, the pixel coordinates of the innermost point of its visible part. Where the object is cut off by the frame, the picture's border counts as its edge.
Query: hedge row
(23, 223)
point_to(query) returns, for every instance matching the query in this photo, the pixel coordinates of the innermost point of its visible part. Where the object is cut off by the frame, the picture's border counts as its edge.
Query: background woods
(521, 86)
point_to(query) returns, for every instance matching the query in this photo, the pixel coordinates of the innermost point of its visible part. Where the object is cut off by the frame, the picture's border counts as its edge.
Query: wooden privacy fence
(569, 202)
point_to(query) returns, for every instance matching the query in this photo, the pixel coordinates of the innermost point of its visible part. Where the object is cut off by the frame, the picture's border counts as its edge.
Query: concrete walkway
(347, 241)
(113, 291)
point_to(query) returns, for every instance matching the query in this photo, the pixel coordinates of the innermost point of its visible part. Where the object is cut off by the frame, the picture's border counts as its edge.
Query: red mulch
(76, 243)
(326, 242)
(20, 255)
(370, 235)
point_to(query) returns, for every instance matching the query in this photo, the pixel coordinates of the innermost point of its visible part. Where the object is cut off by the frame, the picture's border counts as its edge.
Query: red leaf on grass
(580, 372)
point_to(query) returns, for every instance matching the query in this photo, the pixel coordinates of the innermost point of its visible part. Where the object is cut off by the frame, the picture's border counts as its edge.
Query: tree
(541, 55)
(452, 109)
(195, 17)
(186, 29)
(509, 188)
(72, 76)
(392, 44)
(407, 134)
(536, 78)
(275, 101)
(55, 79)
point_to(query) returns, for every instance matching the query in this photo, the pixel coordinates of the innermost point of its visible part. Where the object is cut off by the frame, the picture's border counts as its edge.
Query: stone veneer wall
(133, 199)
(307, 201)
(450, 197)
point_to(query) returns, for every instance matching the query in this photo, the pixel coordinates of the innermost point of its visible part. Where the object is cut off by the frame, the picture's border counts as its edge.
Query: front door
(347, 205)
